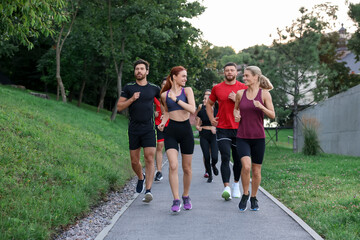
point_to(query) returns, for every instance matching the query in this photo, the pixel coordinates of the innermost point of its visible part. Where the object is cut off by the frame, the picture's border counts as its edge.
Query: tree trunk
(71, 94)
(296, 99)
(81, 94)
(58, 76)
(59, 44)
(114, 111)
(102, 97)
(295, 130)
(57, 91)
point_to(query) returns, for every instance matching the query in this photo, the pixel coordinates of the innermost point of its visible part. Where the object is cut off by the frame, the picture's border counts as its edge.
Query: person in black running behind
(139, 96)
(208, 142)
(178, 102)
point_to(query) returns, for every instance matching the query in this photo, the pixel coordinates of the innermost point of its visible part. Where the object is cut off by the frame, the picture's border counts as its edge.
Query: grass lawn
(56, 161)
(322, 190)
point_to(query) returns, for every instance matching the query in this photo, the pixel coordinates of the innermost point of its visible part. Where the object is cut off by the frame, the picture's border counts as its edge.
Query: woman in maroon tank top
(250, 106)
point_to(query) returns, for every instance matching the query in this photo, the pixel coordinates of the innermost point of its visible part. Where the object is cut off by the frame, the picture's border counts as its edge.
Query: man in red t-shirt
(226, 127)
(160, 137)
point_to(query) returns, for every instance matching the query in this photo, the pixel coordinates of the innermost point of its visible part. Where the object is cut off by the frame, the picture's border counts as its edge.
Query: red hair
(169, 79)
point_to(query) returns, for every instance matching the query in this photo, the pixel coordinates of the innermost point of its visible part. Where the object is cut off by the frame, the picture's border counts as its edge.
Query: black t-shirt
(142, 110)
(205, 121)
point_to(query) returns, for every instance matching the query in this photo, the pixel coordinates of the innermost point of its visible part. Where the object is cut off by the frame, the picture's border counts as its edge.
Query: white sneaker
(236, 190)
(148, 197)
(226, 194)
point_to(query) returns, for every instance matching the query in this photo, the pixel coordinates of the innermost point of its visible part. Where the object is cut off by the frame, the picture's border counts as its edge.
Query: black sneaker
(210, 179)
(158, 177)
(215, 170)
(254, 204)
(140, 185)
(243, 202)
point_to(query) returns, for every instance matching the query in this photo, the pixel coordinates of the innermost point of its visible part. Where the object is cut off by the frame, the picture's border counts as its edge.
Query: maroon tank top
(252, 118)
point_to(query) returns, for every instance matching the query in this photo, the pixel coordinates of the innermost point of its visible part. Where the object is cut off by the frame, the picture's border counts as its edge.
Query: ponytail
(264, 81)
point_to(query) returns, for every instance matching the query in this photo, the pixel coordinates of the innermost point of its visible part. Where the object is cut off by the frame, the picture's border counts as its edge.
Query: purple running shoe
(176, 205)
(187, 203)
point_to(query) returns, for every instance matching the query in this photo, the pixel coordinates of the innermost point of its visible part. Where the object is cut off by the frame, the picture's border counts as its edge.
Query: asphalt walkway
(210, 218)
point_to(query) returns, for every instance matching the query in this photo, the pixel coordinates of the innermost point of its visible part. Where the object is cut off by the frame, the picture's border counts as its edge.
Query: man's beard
(140, 77)
(230, 79)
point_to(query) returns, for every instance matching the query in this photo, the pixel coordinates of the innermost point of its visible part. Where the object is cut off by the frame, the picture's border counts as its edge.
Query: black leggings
(207, 143)
(226, 139)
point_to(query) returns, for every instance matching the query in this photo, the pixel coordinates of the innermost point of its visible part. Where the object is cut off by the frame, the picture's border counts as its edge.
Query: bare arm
(165, 116)
(210, 112)
(124, 103)
(268, 107)
(197, 119)
(190, 105)
(236, 112)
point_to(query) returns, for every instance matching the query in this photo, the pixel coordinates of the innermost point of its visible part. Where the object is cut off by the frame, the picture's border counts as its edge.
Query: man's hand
(214, 121)
(135, 96)
(232, 96)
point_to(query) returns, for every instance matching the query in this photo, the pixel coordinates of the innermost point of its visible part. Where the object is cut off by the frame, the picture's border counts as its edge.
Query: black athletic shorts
(179, 133)
(254, 148)
(146, 139)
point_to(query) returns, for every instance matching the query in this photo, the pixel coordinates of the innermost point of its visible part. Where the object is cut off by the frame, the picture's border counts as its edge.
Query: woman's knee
(256, 171)
(246, 164)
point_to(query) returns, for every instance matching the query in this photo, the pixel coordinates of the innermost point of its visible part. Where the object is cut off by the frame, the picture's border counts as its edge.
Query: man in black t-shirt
(139, 98)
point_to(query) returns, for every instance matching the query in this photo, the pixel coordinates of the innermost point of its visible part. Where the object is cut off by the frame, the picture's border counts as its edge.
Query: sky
(246, 23)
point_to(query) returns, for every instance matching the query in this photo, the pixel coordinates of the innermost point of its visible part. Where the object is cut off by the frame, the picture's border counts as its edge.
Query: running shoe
(243, 202)
(226, 194)
(210, 179)
(176, 205)
(158, 177)
(148, 197)
(254, 204)
(236, 190)
(187, 203)
(206, 175)
(140, 185)
(215, 170)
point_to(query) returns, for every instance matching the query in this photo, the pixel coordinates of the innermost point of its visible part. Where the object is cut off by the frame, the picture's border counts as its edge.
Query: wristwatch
(177, 100)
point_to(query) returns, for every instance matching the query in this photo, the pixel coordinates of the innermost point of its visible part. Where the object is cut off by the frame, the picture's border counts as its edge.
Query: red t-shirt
(158, 109)
(220, 93)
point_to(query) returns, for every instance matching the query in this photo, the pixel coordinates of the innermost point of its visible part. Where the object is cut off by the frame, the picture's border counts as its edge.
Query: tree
(354, 42)
(22, 20)
(149, 29)
(298, 52)
(70, 10)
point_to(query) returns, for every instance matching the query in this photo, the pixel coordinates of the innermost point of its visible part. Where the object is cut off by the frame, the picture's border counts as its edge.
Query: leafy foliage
(21, 20)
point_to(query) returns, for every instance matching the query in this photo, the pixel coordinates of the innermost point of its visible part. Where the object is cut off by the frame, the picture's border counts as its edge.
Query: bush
(311, 140)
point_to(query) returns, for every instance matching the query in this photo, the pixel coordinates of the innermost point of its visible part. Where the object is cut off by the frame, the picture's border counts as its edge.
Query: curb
(306, 227)
(107, 229)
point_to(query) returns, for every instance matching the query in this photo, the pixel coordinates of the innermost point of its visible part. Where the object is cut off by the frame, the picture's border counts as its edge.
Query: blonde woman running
(250, 106)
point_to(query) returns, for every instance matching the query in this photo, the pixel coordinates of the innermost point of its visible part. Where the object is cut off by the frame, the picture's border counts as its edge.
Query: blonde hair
(264, 81)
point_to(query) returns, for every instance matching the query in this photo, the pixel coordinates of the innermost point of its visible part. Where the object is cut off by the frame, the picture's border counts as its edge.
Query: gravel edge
(90, 226)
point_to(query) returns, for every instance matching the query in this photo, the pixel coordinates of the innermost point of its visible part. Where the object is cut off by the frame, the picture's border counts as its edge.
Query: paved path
(210, 218)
